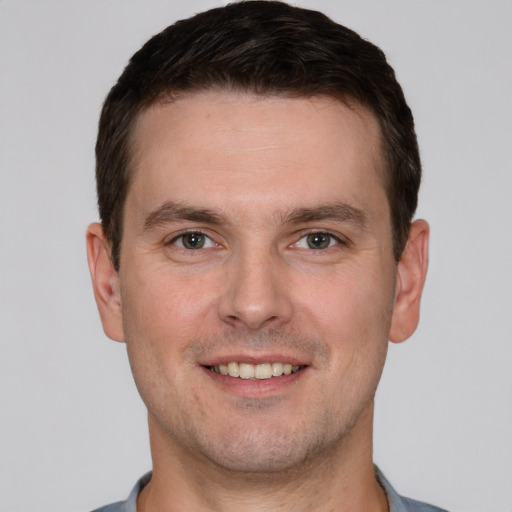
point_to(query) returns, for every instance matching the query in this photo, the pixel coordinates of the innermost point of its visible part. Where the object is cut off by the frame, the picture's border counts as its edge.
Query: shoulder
(399, 503)
(120, 506)
(130, 504)
(419, 506)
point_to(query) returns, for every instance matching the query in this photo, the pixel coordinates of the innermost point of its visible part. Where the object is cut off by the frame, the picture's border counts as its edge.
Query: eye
(317, 241)
(193, 241)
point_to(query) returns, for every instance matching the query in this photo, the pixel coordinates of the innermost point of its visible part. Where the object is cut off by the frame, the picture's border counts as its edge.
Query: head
(269, 49)
(257, 175)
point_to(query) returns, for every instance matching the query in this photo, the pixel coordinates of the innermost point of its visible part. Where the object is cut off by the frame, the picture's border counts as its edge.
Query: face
(257, 242)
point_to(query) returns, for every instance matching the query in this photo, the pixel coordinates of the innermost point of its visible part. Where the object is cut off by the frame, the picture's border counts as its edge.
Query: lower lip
(255, 387)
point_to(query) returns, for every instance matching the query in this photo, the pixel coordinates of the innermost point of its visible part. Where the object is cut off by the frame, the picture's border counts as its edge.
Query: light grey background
(72, 427)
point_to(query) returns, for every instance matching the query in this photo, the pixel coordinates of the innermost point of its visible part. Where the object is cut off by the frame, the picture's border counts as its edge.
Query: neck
(340, 478)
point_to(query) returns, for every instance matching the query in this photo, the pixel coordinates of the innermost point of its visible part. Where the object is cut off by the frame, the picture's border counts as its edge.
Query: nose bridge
(255, 294)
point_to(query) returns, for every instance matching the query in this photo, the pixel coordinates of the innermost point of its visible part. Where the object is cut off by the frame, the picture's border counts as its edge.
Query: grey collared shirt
(397, 503)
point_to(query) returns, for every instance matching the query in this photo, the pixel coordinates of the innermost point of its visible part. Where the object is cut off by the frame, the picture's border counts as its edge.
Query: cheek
(354, 301)
(166, 305)
(353, 316)
(160, 317)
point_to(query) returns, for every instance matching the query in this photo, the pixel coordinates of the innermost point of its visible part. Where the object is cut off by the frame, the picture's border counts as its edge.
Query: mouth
(261, 371)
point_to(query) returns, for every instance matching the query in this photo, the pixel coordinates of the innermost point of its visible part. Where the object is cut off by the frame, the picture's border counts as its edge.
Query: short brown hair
(266, 48)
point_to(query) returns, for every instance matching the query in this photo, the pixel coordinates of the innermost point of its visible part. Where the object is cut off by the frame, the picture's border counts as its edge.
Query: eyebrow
(171, 212)
(339, 212)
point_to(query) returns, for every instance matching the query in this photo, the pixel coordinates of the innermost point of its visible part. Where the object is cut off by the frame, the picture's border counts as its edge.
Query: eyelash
(183, 234)
(332, 238)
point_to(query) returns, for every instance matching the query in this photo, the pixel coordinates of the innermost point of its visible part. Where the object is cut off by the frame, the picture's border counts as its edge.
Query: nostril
(254, 299)
(252, 322)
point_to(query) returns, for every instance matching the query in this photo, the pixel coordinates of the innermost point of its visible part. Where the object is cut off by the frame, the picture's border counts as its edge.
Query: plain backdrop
(72, 427)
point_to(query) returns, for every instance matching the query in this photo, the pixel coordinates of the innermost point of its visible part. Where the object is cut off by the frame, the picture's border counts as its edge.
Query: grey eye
(193, 240)
(318, 240)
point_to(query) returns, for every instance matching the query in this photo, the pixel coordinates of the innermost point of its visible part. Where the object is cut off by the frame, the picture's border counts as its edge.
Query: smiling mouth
(255, 371)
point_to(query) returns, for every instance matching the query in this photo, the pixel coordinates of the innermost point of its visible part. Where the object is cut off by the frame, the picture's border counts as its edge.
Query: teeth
(277, 369)
(246, 371)
(263, 371)
(233, 370)
(255, 371)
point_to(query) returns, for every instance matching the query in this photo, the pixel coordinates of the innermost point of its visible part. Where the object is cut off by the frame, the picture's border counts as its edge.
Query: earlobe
(105, 282)
(411, 274)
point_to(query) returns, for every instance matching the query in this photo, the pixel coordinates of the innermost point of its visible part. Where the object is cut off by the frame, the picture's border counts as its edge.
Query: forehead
(234, 144)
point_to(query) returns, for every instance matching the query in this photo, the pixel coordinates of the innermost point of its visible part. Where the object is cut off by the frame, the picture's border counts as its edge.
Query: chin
(268, 450)
(260, 456)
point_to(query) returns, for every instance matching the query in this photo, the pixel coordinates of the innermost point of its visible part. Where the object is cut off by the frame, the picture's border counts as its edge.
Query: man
(257, 173)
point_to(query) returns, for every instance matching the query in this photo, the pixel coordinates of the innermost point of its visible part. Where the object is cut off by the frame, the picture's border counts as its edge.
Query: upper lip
(256, 359)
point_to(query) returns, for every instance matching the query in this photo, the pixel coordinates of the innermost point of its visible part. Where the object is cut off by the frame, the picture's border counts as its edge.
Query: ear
(105, 282)
(411, 274)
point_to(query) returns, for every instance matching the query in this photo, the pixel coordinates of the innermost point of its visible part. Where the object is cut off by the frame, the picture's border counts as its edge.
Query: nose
(255, 294)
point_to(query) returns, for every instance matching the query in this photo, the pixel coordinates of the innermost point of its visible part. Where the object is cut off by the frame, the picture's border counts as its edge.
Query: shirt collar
(396, 502)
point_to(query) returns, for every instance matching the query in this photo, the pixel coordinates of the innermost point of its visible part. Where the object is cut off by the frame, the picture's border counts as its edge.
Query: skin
(255, 177)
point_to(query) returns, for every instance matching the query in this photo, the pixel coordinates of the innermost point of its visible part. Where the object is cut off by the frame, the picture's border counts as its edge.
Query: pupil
(193, 241)
(319, 240)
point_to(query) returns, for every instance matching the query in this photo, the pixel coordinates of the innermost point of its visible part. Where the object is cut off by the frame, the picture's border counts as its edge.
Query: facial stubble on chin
(317, 441)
